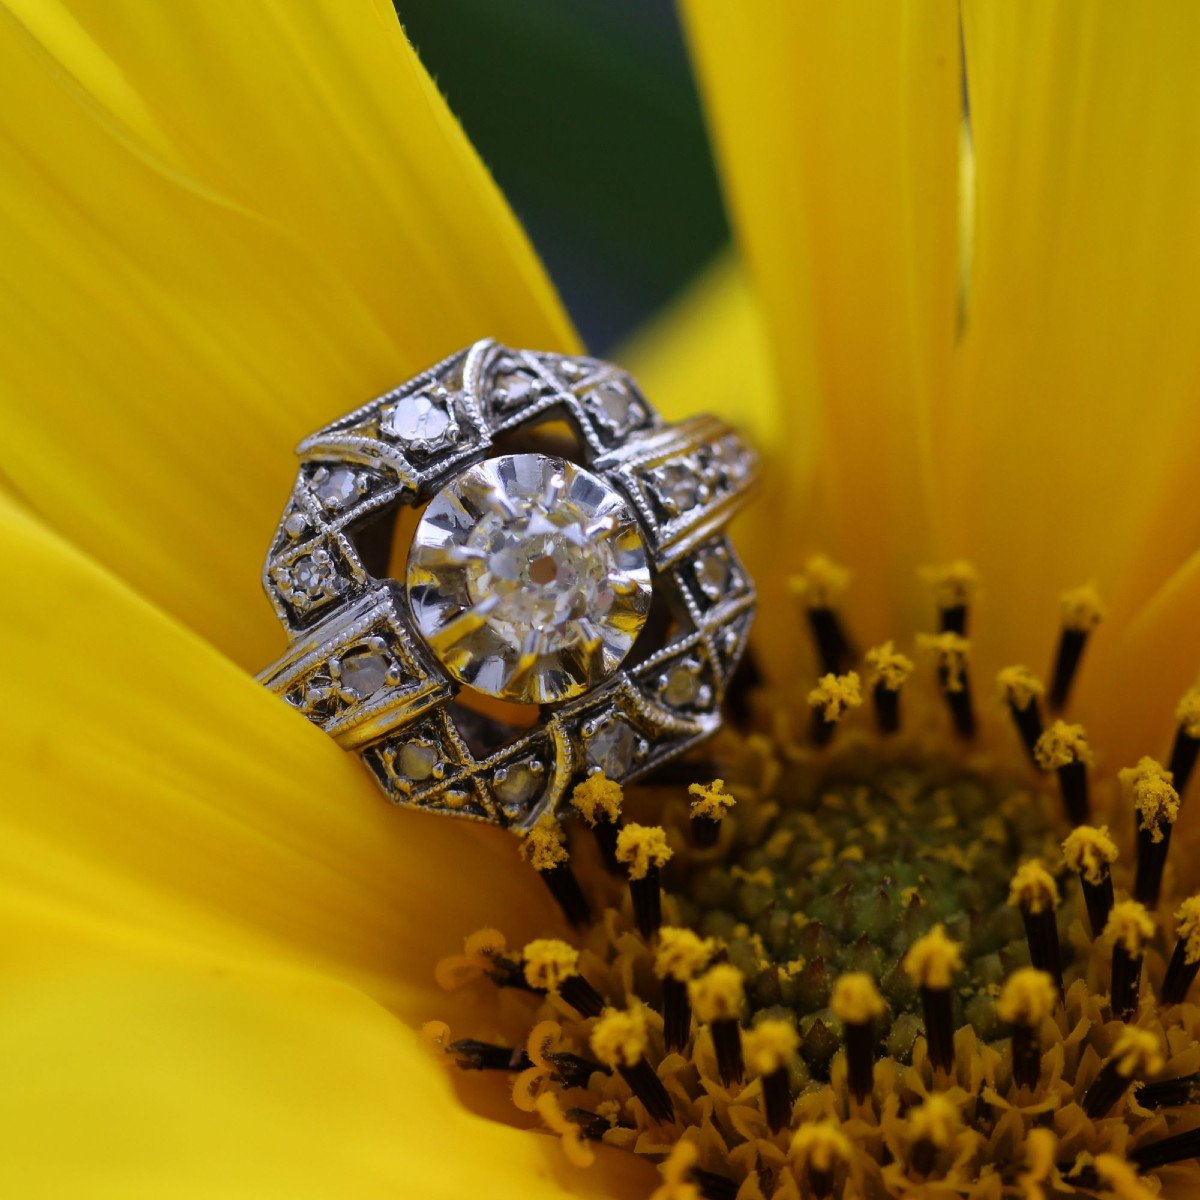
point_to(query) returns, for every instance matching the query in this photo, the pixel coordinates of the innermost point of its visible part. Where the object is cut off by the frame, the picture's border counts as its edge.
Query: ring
(508, 573)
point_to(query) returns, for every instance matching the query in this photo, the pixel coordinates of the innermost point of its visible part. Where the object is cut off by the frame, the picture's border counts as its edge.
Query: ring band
(569, 603)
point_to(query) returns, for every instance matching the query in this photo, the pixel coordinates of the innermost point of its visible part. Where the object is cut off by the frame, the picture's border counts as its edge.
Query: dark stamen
(581, 996)
(1184, 752)
(822, 730)
(727, 1042)
(564, 887)
(832, 645)
(1026, 1056)
(1181, 973)
(572, 1071)
(1151, 859)
(860, 1059)
(605, 831)
(484, 1056)
(1168, 1150)
(923, 1157)
(1028, 721)
(1107, 1088)
(506, 972)
(677, 1014)
(886, 702)
(592, 1125)
(1169, 1093)
(1126, 982)
(1099, 900)
(1073, 784)
(1089, 852)
(931, 962)
(646, 894)
(1036, 893)
(777, 1099)
(1071, 643)
(747, 678)
(679, 772)
(705, 832)
(938, 1008)
(649, 1089)
(953, 619)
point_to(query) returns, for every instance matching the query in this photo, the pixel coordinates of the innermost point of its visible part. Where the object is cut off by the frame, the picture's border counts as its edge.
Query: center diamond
(528, 578)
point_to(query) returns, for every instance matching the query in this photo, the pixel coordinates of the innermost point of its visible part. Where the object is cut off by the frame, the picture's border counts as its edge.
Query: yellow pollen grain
(681, 954)
(1130, 924)
(544, 846)
(549, 963)
(1137, 1052)
(1061, 745)
(676, 1173)
(1148, 786)
(719, 994)
(619, 1037)
(1187, 927)
(936, 1120)
(1122, 1179)
(1187, 714)
(1089, 851)
(435, 1035)
(486, 942)
(835, 695)
(856, 1000)
(1081, 608)
(1027, 998)
(820, 1146)
(711, 801)
(886, 666)
(950, 651)
(575, 1146)
(641, 847)
(953, 583)
(932, 960)
(1018, 686)
(820, 582)
(770, 1045)
(1033, 888)
(598, 797)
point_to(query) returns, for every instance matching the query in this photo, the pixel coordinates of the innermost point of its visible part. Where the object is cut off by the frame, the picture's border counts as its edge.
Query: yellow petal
(837, 129)
(141, 1077)
(155, 793)
(1072, 450)
(218, 234)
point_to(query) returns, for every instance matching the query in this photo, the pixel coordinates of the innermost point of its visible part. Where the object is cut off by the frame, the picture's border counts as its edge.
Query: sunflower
(915, 941)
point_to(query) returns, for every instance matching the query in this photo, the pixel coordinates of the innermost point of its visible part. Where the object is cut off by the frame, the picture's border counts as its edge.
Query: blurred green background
(587, 114)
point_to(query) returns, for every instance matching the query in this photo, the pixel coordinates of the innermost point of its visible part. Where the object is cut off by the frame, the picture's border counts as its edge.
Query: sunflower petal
(219, 234)
(837, 126)
(155, 792)
(139, 1077)
(1072, 452)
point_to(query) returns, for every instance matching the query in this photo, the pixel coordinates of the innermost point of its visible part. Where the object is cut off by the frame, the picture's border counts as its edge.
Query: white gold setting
(534, 577)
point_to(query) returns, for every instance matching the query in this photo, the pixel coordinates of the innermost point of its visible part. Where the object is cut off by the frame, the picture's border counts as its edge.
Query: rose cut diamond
(528, 578)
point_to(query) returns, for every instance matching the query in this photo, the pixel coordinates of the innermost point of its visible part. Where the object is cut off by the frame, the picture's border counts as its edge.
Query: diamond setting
(529, 579)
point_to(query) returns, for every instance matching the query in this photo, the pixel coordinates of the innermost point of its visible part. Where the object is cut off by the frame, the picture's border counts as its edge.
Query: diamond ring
(507, 573)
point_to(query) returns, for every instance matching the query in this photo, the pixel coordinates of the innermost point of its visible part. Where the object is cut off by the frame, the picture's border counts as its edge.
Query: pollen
(548, 962)
(887, 667)
(544, 846)
(1187, 927)
(598, 798)
(1187, 714)
(719, 994)
(950, 651)
(1137, 1052)
(835, 695)
(1156, 801)
(954, 584)
(1027, 998)
(856, 999)
(710, 801)
(933, 960)
(1033, 888)
(641, 847)
(1081, 608)
(1061, 745)
(682, 954)
(619, 1037)
(1130, 925)
(770, 1045)
(1090, 852)
(936, 1121)
(1018, 686)
(820, 1146)
(820, 583)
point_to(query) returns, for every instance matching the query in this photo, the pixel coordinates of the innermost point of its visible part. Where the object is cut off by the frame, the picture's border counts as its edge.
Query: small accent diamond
(363, 671)
(417, 760)
(611, 746)
(419, 418)
(518, 782)
(335, 489)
